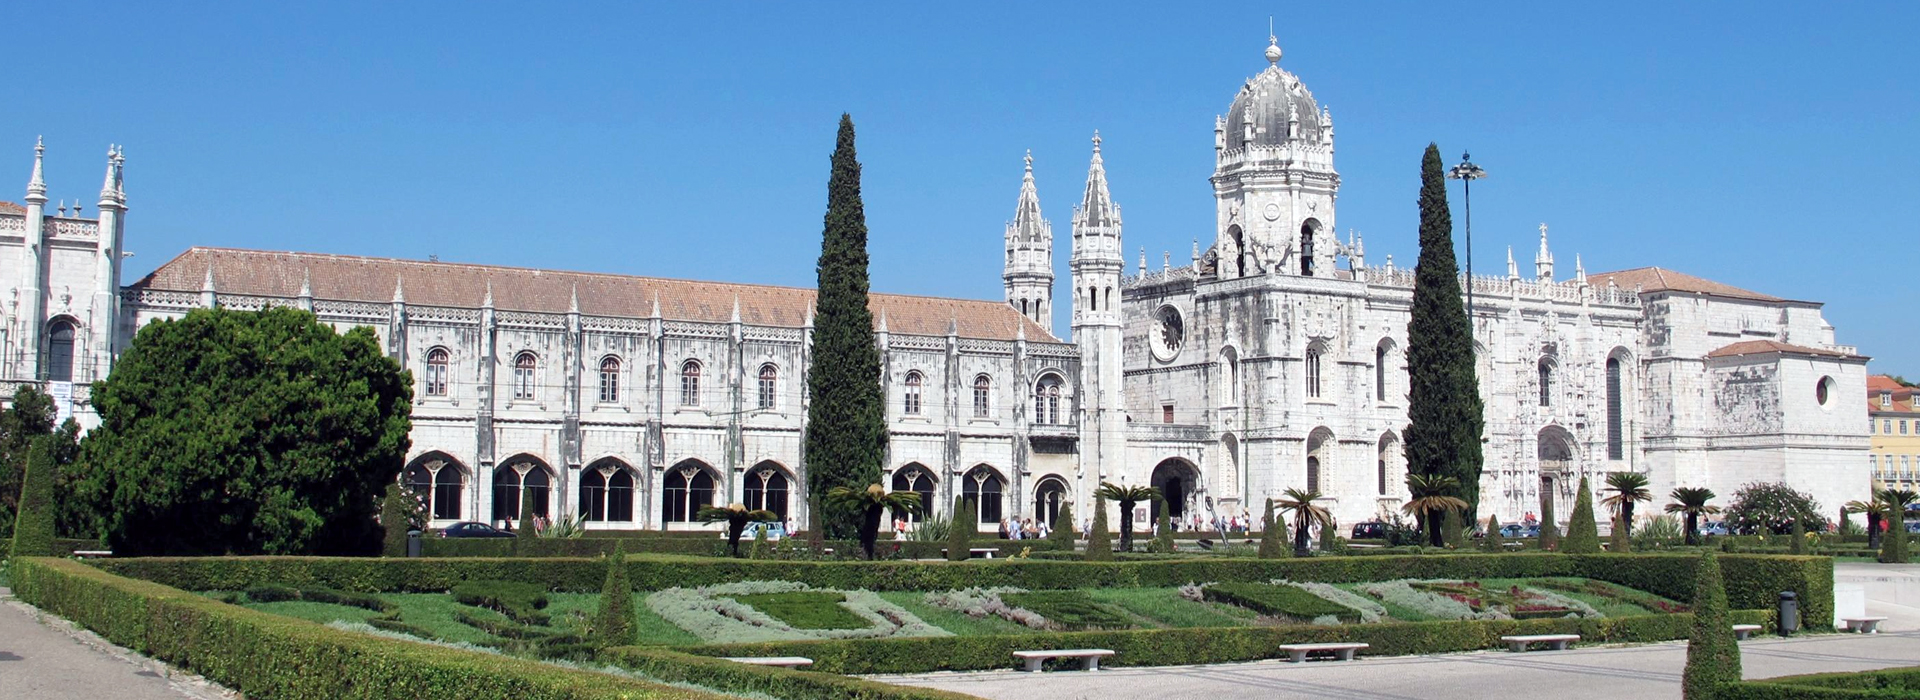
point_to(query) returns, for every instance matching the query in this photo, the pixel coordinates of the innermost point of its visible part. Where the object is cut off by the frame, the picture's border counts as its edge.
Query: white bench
(1343, 651)
(1557, 642)
(1744, 631)
(93, 553)
(1867, 625)
(781, 661)
(1034, 659)
(978, 552)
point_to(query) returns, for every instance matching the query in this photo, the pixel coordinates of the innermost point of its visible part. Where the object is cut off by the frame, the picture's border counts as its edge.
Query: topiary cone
(1583, 534)
(1099, 541)
(1713, 656)
(613, 625)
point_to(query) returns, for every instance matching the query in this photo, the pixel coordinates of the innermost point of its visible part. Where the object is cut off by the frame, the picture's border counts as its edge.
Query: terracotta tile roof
(1757, 347)
(463, 285)
(11, 208)
(1657, 279)
(1902, 399)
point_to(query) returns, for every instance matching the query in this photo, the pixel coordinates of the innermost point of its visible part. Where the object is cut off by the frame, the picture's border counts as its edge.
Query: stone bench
(1557, 642)
(781, 661)
(1744, 631)
(1343, 651)
(1867, 625)
(93, 553)
(977, 552)
(1033, 659)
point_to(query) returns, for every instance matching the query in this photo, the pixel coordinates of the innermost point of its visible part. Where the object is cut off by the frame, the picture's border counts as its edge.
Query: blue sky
(1769, 146)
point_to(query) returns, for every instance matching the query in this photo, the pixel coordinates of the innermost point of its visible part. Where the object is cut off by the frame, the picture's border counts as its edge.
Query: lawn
(1165, 608)
(958, 623)
(807, 610)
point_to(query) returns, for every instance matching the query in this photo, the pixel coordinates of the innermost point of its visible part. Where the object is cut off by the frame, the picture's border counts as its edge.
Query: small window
(1313, 373)
(610, 380)
(982, 395)
(1546, 383)
(1823, 390)
(1886, 426)
(1166, 413)
(690, 383)
(60, 338)
(1903, 427)
(1046, 400)
(769, 384)
(1380, 373)
(1886, 399)
(912, 399)
(436, 379)
(525, 366)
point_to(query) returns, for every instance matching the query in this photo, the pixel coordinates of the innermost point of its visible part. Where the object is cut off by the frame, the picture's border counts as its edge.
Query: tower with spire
(1273, 181)
(1543, 260)
(1029, 269)
(1096, 266)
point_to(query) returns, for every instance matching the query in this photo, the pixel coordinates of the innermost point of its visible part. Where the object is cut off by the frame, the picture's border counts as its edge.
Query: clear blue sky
(1769, 146)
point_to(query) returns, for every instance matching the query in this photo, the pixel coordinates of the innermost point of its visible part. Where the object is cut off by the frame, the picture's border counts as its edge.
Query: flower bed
(1069, 610)
(1468, 600)
(1281, 599)
(715, 614)
(1614, 592)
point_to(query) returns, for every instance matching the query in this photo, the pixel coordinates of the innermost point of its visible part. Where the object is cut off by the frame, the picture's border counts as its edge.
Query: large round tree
(233, 432)
(1445, 414)
(846, 424)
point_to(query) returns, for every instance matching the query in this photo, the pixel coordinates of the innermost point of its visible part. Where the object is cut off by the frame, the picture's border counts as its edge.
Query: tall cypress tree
(1444, 395)
(846, 429)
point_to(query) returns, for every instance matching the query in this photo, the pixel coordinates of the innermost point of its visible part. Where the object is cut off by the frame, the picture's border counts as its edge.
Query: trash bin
(1789, 613)
(413, 544)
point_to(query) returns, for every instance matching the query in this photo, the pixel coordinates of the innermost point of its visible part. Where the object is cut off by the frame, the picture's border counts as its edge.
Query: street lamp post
(1466, 172)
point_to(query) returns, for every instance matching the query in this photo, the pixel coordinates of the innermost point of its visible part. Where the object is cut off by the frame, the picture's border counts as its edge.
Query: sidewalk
(44, 663)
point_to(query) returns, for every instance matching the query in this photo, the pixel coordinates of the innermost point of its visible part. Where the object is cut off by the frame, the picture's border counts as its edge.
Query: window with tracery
(982, 395)
(436, 379)
(610, 380)
(525, 366)
(911, 401)
(769, 385)
(690, 383)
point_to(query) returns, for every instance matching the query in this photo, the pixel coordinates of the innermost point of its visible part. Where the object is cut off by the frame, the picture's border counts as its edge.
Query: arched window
(916, 479)
(1616, 447)
(1306, 249)
(766, 489)
(685, 490)
(610, 380)
(1046, 400)
(1239, 252)
(1313, 474)
(769, 386)
(620, 496)
(1229, 378)
(509, 479)
(537, 484)
(593, 496)
(982, 396)
(448, 483)
(1546, 383)
(911, 400)
(60, 351)
(525, 366)
(419, 481)
(1313, 373)
(436, 372)
(690, 383)
(1047, 500)
(1380, 372)
(1382, 488)
(984, 486)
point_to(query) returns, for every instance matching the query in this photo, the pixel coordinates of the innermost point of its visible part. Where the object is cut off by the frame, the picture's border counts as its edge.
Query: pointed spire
(1097, 208)
(1513, 271)
(953, 325)
(883, 320)
(63, 207)
(107, 189)
(1196, 250)
(1021, 334)
(1579, 270)
(399, 290)
(207, 286)
(736, 308)
(306, 285)
(1143, 261)
(1166, 260)
(37, 185)
(487, 302)
(1543, 261)
(656, 309)
(1028, 226)
(573, 304)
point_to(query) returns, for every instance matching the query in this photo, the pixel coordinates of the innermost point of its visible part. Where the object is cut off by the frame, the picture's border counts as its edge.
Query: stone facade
(1272, 359)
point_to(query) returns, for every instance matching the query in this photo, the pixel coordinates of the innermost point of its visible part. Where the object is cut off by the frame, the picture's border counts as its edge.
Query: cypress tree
(846, 430)
(1713, 655)
(1453, 529)
(1893, 547)
(1163, 532)
(759, 548)
(1549, 532)
(1799, 543)
(1619, 541)
(1099, 542)
(33, 525)
(1062, 532)
(1493, 542)
(1445, 413)
(613, 626)
(1273, 536)
(526, 510)
(393, 518)
(960, 536)
(1583, 535)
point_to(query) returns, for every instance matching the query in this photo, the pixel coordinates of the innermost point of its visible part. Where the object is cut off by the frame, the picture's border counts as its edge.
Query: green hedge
(710, 546)
(1753, 581)
(1886, 683)
(1169, 647)
(677, 667)
(268, 656)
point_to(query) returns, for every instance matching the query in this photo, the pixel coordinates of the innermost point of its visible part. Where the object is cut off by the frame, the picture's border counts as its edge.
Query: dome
(1268, 101)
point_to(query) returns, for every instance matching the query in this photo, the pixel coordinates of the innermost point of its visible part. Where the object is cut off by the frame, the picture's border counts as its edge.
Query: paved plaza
(43, 662)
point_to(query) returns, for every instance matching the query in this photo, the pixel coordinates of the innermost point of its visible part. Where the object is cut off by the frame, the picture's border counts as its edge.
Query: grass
(1165, 607)
(1070, 610)
(648, 627)
(953, 621)
(807, 610)
(1291, 602)
(318, 612)
(1397, 612)
(1618, 601)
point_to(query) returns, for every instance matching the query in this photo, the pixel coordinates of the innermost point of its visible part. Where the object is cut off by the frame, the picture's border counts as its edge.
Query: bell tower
(1273, 181)
(1029, 270)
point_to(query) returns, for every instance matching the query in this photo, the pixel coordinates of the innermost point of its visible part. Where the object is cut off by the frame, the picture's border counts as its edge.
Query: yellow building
(1894, 436)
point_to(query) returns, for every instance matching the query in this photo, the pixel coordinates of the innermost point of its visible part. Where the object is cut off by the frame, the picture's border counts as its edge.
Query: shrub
(1163, 532)
(1273, 535)
(1885, 683)
(33, 526)
(393, 522)
(1797, 538)
(1713, 656)
(1549, 532)
(1893, 547)
(1062, 533)
(613, 623)
(271, 594)
(263, 655)
(1278, 599)
(1493, 541)
(962, 530)
(517, 600)
(1773, 508)
(727, 676)
(1099, 541)
(1583, 536)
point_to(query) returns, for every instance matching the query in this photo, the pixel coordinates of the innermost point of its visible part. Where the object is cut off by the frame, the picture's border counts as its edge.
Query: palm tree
(1628, 488)
(1432, 498)
(736, 517)
(1875, 510)
(1126, 496)
(1305, 513)
(1692, 502)
(872, 502)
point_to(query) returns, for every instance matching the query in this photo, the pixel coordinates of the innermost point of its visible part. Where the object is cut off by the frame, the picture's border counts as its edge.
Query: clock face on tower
(1167, 334)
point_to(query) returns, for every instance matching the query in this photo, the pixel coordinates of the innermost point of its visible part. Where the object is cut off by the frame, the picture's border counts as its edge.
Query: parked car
(1371, 530)
(1714, 528)
(473, 529)
(775, 531)
(1913, 527)
(1517, 530)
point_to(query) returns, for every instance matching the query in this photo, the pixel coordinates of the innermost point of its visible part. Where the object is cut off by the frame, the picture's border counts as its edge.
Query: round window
(1168, 334)
(1823, 390)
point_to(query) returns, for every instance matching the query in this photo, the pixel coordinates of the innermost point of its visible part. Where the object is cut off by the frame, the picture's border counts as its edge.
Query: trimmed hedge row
(727, 676)
(269, 656)
(1886, 683)
(1168, 647)
(597, 546)
(1752, 581)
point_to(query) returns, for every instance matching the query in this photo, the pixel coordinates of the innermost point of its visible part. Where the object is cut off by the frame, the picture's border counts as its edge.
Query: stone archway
(1557, 468)
(1179, 483)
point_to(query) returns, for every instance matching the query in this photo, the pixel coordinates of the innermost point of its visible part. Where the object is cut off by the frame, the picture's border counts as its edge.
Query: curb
(188, 684)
